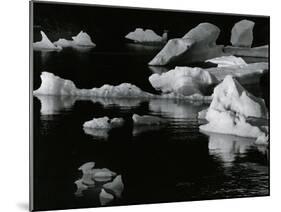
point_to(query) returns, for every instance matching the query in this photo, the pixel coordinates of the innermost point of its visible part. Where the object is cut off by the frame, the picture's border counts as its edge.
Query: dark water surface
(175, 162)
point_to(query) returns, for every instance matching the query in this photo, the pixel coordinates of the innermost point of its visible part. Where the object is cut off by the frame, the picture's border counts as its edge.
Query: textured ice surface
(104, 123)
(116, 186)
(80, 40)
(230, 108)
(227, 61)
(45, 44)
(199, 44)
(147, 120)
(143, 36)
(182, 80)
(105, 198)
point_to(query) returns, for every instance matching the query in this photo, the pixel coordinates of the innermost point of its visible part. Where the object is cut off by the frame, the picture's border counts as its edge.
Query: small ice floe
(183, 80)
(227, 61)
(105, 198)
(45, 44)
(104, 123)
(116, 186)
(230, 108)
(199, 44)
(80, 40)
(147, 120)
(146, 36)
(54, 85)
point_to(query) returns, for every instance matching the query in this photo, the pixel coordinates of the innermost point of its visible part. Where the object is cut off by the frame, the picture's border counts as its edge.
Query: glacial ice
(45, 44)
(242, 34)
(199, 44)
(82, 39)
(116, 186)
(230, 108)
(147, 120)
(146, 36)
(104, 123)
(259, 51)
(183, 80)
(105, 198)
(227, 61)
(54, 85)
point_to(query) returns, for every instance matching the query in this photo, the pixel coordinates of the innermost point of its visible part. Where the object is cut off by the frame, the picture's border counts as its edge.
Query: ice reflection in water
(228, 147)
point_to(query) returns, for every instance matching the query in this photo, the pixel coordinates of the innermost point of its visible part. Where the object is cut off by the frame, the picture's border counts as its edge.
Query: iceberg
(87, 167)
(227, 61)
(146, 36)
(82, 39)
(259, 51)
(116, 186)
(105, 198)
(199, 44)
(45, 44)
(104, 123)
(183, 80)
(147, 120)
(54, 85)
(262, 140)
(242, 34)
(230, 108)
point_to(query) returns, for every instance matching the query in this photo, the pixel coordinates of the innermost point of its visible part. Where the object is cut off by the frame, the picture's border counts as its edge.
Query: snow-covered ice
(105, 198)
(227, 61)
(116, 186)
(146, 36)
(230, 108)
(147, 120)
(82, 39)
(199, 44)
(183, 80)
(45, 44)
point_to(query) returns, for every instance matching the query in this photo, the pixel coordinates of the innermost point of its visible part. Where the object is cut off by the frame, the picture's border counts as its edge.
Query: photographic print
(138, 106)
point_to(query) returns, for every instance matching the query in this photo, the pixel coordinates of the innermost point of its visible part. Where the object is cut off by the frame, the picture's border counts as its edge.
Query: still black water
(164, 164)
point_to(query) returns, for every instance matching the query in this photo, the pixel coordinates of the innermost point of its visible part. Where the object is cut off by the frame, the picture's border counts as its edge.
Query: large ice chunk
(199, 44)
(146, 36)
(242, 34)
(45, 44)
(227, 61)
(230, 108)
(183, 80)
(54, 85)
(82, 39)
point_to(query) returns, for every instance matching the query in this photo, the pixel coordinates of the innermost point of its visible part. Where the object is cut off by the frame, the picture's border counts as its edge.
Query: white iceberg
(116, 186)
(105, 198)
(230, 108)
(147, 120)
(54, 85)
(242, 33)
(183, 80)
(45, 44)
(199, 44)
(104, 123)
(80, 40)
(227, 61)
(146, 36)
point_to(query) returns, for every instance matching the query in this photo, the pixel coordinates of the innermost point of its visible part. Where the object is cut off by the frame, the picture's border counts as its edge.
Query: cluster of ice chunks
(82, 39)
(146, 36)
(107, 182)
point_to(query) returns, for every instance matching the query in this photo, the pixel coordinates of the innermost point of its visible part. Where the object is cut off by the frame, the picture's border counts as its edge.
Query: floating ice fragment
(146, 36)
(116, 186)
(183, 80)
(45, 44)
(227, 61)
(147, 120)
(104, 123)
(105, 198)
(242, 34)
(86, 167)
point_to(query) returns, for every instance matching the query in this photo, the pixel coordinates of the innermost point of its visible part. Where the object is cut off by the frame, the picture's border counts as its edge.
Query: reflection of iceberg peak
(148, 35)
(45, 44)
